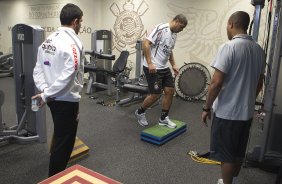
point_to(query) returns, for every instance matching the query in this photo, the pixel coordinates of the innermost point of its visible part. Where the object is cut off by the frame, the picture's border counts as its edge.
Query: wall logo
(206, 29)
(128, 26)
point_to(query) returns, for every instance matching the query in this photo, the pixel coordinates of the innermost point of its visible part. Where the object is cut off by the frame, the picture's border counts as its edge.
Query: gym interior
(109, 140)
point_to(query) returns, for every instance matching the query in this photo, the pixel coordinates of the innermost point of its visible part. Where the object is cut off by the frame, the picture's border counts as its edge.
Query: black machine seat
(136, 88)
(117, 70)
(1, 103)
(118, 66)
(100, 55)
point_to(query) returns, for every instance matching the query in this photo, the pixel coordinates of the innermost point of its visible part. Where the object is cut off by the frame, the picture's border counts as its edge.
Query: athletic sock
(234, 180)
(141, 110)
(164, 114)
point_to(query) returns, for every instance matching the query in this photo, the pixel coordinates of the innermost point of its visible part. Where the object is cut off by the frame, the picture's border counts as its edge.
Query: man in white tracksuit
(58, 75)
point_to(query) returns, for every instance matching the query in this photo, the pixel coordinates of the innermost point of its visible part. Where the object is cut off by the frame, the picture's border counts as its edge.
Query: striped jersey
(163, 41)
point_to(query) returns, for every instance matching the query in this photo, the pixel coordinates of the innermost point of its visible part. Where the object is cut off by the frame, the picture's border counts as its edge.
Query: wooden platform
(78, 174)
(79, 150)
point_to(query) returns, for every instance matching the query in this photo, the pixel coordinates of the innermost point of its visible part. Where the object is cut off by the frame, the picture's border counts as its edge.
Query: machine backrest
(2, 96)
(121, 62)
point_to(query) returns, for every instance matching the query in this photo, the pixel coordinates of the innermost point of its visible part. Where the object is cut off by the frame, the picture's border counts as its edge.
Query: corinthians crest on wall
(128, 27)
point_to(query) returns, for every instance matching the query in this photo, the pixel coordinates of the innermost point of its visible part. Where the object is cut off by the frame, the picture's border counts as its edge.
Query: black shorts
(157, 81)
(229, 139)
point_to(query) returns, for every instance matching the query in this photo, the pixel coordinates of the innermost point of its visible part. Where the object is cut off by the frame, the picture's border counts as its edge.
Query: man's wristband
(206, 109)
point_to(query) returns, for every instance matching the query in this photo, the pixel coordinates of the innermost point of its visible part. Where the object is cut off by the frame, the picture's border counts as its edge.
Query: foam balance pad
(79, 175)
(161, 134)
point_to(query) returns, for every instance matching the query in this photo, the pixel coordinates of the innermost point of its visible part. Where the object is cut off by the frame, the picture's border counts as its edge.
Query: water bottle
(34, 105)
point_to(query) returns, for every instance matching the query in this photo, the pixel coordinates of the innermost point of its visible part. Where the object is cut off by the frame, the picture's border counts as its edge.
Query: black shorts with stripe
(157, 81)
(229, 139)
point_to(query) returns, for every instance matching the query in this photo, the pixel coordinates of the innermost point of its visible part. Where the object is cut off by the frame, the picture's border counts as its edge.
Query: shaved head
(240, 20)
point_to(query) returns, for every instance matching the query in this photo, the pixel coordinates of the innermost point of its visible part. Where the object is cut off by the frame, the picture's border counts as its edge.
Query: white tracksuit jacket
(58, 72)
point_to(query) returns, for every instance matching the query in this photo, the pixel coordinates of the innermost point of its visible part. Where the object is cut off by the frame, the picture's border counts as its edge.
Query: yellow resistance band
(194, 155)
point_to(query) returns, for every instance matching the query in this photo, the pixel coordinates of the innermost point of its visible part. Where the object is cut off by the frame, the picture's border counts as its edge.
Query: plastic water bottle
(34, 105)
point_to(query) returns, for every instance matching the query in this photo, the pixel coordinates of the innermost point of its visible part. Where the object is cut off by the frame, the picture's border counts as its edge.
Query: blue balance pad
(161, 134)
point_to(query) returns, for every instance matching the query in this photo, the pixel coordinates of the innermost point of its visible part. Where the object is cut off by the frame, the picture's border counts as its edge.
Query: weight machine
(138, 86)
(271, 146)
(118, 67)
(101, 61)
(30, 126)
(6, 65)
(268, 151)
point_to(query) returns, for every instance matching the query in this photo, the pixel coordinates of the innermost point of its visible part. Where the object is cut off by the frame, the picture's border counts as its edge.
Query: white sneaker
(220, 181)
(167, 122)
(141, 118)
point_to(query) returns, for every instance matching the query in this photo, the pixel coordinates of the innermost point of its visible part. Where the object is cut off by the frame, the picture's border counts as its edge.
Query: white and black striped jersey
(163, 41)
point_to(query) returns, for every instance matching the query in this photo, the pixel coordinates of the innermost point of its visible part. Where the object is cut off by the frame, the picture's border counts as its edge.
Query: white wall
(130, 20)
(46, 14)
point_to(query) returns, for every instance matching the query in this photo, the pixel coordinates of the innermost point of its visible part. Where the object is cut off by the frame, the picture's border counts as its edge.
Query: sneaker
(141, 118)
(220, 181)
(167, 122)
